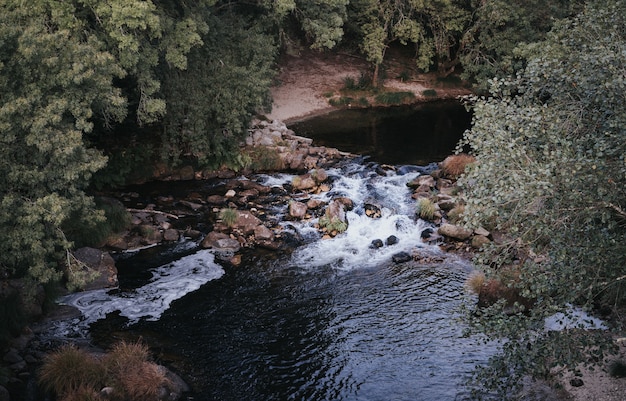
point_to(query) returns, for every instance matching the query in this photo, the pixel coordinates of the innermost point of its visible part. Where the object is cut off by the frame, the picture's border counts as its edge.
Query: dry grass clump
(83, 393)
(475, 282)
(73, 374)
(143, 382)
(69, 369)
(453, 166)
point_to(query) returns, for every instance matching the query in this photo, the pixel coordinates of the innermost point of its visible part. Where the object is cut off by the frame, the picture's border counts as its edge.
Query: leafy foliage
(226, 83)
(499, 26)
(550, 148)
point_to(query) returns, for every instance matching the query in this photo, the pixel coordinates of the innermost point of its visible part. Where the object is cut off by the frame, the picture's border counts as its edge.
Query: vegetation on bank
(93, 91)
(125, 373)
(550, 172)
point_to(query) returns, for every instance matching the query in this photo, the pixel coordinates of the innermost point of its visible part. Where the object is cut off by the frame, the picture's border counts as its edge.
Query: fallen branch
(617, 209)
(152, 211)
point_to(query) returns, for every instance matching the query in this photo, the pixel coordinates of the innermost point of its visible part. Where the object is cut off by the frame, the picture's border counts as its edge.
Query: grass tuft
(394, 97)
(68, 369)
(425, 209)
(475, 282)
(229, 216)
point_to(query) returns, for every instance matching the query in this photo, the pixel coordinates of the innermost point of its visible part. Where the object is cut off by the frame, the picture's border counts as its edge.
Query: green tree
(551, 173)
(61, 65)
(211, 103)
(432, 27)
(499, 26)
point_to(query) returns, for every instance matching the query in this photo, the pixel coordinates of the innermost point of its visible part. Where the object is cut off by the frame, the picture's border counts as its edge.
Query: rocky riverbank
(235, 213)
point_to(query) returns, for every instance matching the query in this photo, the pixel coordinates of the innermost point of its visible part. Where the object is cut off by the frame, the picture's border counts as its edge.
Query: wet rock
(346, 202)
(297, 210)
(220, 242)
(319, 175)
(304, 182)
(314, 204)
(377, 243)
(391, 240)
(246, 222)
(454, 231)
(100, 262)
(401, 257)
(426, 181)
(372, 210)
(12, 356)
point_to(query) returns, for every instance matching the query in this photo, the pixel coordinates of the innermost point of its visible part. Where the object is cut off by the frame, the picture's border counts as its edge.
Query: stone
(191, 205)
(187, 173)
(100, 262)
(478, 241)
(216, 200)
(303, 182)
(377, 243)
(401, 257)
(170, 235)
(392, 240)
(297, 210)
(482, 231)
(454, 231)
(319, 175)
(447, 204)
(314, 204)
(422, 180)
(230, 193)
(346, 202)
(262, 233)
(211, 238)
(246, 222)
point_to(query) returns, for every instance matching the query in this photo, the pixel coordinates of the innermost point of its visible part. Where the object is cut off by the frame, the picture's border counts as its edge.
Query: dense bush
(550, 171)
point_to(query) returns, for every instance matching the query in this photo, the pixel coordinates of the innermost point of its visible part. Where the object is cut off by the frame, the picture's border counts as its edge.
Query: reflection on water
(415, 134)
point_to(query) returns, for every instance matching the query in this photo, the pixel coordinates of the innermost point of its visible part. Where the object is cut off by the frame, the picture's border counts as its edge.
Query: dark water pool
(415, 134)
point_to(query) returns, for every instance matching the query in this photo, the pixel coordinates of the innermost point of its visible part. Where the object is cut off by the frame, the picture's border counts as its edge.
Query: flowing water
(335, 319)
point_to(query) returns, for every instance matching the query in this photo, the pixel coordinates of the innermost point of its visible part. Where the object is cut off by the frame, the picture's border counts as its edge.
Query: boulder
(392, 240)
(297, 210)
(170, 235)
(377, 243)
(262, 233)
(303, 182)
(454, 231)
(422, 180)
(314, 204)
(246, 222)
(478, 241)
(100, 262)
(319, 175)
(220, 242)
(401, 257)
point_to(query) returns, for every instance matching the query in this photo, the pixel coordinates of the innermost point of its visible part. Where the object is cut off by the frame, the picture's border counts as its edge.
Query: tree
(60, 67)
(499, 26)
(433, 27)
(210, 104)
(550, 147)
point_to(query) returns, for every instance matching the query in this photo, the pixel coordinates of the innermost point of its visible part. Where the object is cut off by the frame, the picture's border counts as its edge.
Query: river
(333, 319)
